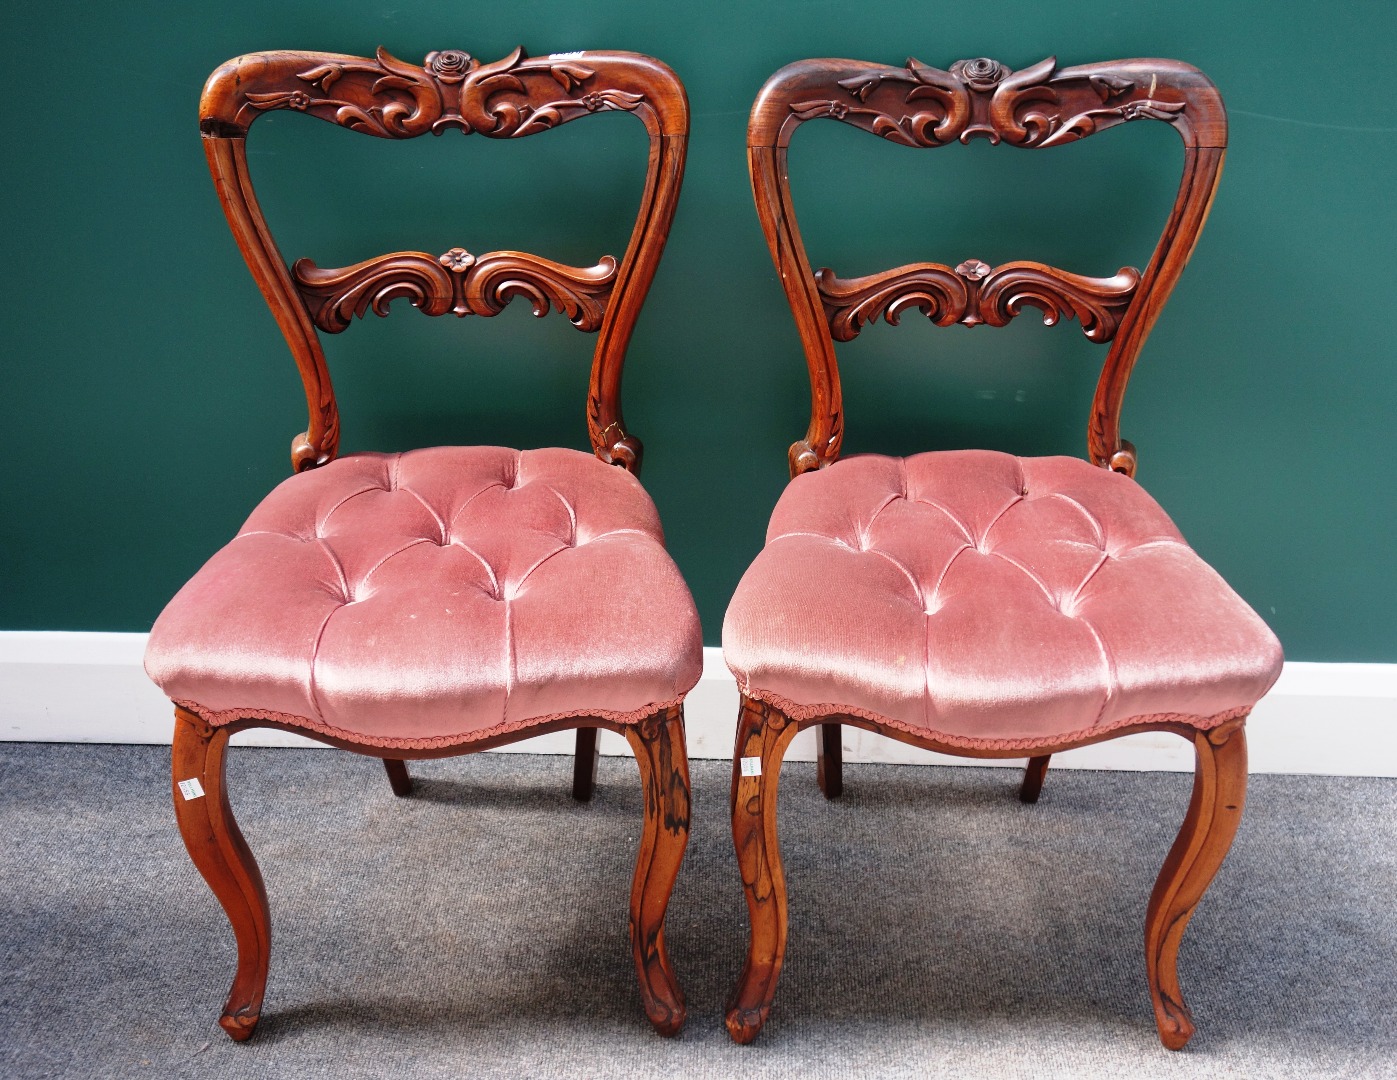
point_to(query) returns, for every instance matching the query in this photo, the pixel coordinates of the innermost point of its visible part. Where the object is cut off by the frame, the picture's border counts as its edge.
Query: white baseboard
(1332, 719)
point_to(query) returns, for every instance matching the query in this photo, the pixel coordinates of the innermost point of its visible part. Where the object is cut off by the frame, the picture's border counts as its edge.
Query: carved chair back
(391, 99)
(1040, 106)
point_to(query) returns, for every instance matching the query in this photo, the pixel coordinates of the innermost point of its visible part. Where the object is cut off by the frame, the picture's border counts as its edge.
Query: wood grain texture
(658, 744)
(1039, 106)
(509, 98)
(1214, 812)
(221, 855)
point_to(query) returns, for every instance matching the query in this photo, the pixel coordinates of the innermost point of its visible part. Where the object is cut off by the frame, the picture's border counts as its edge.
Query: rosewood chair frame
(921, 106)
(389, 98)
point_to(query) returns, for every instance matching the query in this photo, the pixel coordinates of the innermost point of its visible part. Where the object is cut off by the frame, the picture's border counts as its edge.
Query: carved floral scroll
(973, 293)
(394, 99)
(918, 105)
(456, 283)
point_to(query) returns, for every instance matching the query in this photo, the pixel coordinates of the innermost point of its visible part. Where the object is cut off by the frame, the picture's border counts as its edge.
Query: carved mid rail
(973, 294)
(456, 283)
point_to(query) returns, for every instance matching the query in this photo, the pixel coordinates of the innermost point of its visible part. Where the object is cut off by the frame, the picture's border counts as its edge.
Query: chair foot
(658, 743)
(584, 764)
(221, 855)
(829, 760)
(1033, 775)
(763, 734)
(398, 777)
(1214, 812)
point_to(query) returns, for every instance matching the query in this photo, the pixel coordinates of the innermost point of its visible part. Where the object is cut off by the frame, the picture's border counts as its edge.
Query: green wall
(148, 400)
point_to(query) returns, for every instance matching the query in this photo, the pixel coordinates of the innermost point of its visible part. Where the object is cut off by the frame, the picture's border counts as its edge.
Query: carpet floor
(478, 929)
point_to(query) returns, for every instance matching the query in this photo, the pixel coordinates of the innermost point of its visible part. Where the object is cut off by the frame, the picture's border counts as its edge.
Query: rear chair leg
(658, 743)
(1033, 778)
(221, 855)
(1214, 812)
(398, 777)
(829, 760)
(584, 764)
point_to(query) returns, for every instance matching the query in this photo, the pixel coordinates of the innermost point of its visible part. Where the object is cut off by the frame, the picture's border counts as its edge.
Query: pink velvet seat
(989, 600)
(427, 598)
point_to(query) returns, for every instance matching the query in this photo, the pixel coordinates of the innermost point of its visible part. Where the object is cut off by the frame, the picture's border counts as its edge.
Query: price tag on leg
(751, 766)
(191, 789)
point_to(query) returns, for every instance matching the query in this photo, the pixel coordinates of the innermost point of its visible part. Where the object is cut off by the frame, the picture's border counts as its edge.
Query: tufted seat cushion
(436, 596)
(992, 601)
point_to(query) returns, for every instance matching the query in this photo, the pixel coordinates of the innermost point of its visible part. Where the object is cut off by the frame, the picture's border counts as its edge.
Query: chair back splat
(1040, 106)
(450, 91)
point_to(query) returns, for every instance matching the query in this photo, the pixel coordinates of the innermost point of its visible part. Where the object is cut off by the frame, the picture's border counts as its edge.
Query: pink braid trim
(218, 718)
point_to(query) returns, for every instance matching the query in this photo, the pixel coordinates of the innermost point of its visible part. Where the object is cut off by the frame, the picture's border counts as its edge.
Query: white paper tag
(751, 766)
(567, 55)
(191, 789)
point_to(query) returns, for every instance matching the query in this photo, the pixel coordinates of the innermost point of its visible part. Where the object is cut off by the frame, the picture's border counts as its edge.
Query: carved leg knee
(222, 856)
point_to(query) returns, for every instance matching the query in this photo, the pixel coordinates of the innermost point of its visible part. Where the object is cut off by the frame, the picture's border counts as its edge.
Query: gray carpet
(938, 927)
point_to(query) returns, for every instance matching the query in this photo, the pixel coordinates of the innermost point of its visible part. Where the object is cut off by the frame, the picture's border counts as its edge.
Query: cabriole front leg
(222, 856)
(763, 733)
(1214, 812)
(658, 744)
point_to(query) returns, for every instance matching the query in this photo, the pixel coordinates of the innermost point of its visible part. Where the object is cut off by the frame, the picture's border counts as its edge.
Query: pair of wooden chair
(450, 599)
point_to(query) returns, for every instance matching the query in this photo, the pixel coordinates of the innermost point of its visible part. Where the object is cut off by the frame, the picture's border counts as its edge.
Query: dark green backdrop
(149, 401)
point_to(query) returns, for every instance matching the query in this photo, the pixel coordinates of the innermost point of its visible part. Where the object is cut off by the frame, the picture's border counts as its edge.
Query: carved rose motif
(982, 73)
(458, 259)
(593, 102)
(449, 65)
(973, 270)
(298, 100)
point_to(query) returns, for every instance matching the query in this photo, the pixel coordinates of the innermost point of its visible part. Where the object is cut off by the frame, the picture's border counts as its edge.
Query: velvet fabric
(990, 601)
(435, 596)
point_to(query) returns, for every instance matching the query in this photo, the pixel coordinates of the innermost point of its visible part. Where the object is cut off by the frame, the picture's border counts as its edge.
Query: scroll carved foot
(584, 764)
(398, 777)
(1214, 812)
(763, 734)
(658, 743)
(829, 760)
(222, 856)
(1033, 776)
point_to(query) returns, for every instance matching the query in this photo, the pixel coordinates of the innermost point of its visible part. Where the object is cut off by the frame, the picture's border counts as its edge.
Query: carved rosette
(973, 293)
(394, 99)
(918, 105)
(456, 283)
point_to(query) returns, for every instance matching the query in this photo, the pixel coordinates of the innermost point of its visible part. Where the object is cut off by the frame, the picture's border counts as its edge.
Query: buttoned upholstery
(433, 597)
(990, 601)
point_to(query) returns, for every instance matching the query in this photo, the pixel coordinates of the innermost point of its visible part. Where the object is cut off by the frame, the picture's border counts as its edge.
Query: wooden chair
(971, 602)
(445, 600)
